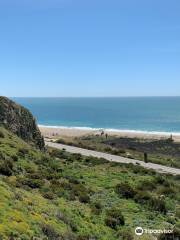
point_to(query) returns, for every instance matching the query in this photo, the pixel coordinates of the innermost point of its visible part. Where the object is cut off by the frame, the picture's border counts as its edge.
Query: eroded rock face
(20, 121)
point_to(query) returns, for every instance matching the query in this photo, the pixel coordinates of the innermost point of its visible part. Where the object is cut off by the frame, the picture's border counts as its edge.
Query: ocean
(142, 114)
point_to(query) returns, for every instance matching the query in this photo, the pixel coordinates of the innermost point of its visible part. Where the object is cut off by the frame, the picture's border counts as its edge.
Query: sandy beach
(57, 132)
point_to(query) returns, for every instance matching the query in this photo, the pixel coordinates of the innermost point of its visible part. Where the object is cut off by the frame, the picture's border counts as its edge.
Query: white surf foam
(114, 130)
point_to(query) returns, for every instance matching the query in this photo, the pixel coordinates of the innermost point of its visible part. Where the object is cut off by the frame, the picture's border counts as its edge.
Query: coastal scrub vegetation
(164, 151)
(57, 195)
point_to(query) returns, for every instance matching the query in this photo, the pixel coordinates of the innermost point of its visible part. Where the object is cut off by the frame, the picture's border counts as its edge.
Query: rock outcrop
(21, 122)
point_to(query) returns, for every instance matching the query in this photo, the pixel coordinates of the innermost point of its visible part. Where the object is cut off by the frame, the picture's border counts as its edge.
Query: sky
(83, 48)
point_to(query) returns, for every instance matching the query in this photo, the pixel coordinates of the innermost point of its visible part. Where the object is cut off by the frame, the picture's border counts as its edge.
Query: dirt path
(114, 158)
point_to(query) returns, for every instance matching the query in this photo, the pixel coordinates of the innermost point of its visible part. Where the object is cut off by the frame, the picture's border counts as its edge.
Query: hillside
(20, 121)
(56, 195)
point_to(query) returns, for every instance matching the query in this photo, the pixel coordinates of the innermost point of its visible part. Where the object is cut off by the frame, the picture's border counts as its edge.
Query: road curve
(114, 158)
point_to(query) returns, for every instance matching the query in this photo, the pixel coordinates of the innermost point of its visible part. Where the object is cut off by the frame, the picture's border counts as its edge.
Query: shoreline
(62, 131)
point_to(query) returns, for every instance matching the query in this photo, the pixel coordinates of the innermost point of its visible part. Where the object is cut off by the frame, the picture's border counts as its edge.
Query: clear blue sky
(89, 47)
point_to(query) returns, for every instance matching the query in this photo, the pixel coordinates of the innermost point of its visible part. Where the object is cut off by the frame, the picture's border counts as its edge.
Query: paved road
(115, 158)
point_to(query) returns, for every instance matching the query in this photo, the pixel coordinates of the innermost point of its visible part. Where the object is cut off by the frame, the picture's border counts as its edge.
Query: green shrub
(48, 195)
(86, 237)
(84, 198)
(33, 183)
(2, 156)
(54, 165)
(6, 167)
(44, 159)
(155, 203)
(125, 234)
(2, 134)
(121, 151)
(118, 151)
(79, 189)
(58, 153)
(71, 196)
(93, 161)
(125, 190)
(77, 156)
(62, 217)
(73, 180)
(114, 218)
(68, 236)
(23, 151)
(147, 185)
(159, 179)
(158, 204)
(63, 183)
(178, 212)
(170, 191)
(12, 145)
(142, 197)
(108, 149)
(50, 232)
(34, 175)
(136, 169)
(15, 158)
(96, 208)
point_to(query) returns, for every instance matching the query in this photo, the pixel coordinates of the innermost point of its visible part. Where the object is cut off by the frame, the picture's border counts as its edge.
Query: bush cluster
(93, 161)
(125, 234)
(96, 208)
(50, 232)
(142, 197)
(114, 218)
(23, 152)
(80, 191)
(6, 167)
(125, 190)
(2, 134)
(32, 183)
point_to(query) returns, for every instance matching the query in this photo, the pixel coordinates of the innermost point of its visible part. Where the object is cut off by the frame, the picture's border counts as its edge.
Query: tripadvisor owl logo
(139, 231)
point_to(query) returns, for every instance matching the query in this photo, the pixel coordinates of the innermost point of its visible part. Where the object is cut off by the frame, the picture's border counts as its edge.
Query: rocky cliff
(20, 121)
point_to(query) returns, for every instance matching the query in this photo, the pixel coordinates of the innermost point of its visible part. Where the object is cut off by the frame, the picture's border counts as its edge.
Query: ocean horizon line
(164, 133)
(163, 96)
